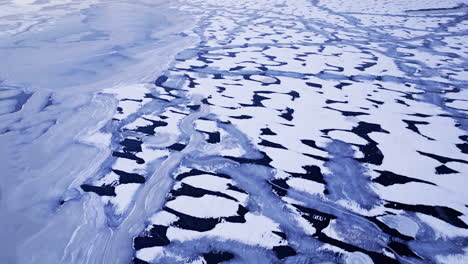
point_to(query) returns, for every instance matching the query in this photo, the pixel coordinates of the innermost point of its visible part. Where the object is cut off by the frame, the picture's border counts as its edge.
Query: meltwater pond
(222, 131)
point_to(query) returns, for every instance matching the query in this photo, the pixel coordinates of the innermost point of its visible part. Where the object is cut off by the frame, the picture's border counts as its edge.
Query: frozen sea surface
(234, 131)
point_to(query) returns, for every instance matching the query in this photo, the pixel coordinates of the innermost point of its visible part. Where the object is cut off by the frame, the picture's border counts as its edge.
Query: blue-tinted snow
(246, 131)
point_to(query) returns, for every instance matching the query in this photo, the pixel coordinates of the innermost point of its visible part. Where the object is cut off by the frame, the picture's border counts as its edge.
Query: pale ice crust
(251, 131)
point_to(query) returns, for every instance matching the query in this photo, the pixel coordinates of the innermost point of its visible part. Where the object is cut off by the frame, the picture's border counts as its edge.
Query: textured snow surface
(234, 131)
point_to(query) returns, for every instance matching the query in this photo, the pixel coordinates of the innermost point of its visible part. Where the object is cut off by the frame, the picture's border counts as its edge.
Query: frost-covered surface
(281, 131)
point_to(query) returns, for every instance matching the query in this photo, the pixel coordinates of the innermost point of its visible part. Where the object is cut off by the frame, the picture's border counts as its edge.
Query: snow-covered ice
(233, 131)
